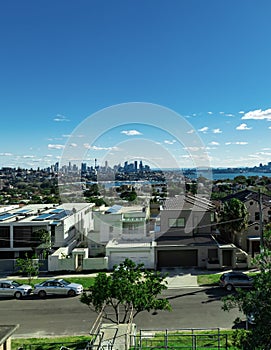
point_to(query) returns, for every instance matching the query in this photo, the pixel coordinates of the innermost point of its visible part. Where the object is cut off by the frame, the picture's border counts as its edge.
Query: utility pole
(261, 221)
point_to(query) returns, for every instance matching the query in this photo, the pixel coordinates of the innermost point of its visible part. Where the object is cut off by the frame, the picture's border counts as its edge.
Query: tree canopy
(28, 266)
(128, 290)
(233, 219)
(256, 302)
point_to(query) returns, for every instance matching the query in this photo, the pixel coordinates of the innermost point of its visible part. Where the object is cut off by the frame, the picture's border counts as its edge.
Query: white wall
(140, 254)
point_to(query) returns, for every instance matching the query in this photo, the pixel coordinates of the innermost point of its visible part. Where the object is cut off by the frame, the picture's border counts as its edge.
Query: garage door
(176, 258)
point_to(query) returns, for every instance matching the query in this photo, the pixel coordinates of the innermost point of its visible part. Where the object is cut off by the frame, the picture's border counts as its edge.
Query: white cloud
(214, 143)
(236, 143)
(194, 148)
(97, 148)
(169, 142)
(28, 156)
(264, 153)
(55, 138)
(6, 154)
(258, 114)
(229, 115)
(73, 145)
(191, 131)
(241, 112)
(51, 146)
(243, 127)
(217, 131)
(131, 132)
(204, 129)
(210, 113)
(61, 118)
(221, 112)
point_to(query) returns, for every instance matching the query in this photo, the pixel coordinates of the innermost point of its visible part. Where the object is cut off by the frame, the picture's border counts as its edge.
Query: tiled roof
(186, 202)
(246, 195)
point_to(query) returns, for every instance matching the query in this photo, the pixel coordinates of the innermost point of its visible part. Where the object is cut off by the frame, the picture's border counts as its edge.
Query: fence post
(218, 339)
(194, 342)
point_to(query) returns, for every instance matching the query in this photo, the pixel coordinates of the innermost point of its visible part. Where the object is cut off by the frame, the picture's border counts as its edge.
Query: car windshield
(16, 284)
(65, 282)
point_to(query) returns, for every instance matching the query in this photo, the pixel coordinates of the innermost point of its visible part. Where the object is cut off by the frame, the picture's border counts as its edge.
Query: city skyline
(206, 61)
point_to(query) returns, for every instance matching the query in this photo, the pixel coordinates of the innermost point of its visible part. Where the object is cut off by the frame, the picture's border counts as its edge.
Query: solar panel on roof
(56, 211)
(114, 209)
(6, 216)
(23, 211)
(42, 217)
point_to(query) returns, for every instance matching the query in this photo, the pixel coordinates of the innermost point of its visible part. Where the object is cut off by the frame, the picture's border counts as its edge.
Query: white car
(9, 288)
(57, 287)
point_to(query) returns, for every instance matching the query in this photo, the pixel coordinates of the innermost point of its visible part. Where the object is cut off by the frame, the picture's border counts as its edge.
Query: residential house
(249, 240)
(188, 235)
(66, 224)
(124, 232)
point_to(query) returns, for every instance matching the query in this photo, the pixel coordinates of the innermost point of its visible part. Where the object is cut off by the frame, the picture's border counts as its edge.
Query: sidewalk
(177, 277)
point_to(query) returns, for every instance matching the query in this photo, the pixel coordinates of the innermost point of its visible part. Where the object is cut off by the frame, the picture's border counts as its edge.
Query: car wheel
(71, 293)
(229, 287)
(18, 295)
(42, 294)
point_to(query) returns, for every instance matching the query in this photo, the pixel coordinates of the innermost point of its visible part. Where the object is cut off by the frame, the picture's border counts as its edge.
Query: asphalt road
(191, 308)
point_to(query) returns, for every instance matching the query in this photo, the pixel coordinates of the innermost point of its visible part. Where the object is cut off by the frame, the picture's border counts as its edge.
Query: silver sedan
(14, 289)
(57, 287)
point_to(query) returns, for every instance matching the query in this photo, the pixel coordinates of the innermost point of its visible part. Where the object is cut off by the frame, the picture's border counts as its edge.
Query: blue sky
(63, 61)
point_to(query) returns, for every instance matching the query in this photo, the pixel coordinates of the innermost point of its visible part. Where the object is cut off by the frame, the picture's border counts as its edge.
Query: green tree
(129, 195)
(233, 219)
(44, 238)
(129, 289)
(256, 301)
(28, 266)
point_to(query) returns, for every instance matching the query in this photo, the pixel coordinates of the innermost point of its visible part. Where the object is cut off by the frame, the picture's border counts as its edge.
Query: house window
(176, 222)
(111, 229)
(257, 215)
(5, 237)
(212, 217)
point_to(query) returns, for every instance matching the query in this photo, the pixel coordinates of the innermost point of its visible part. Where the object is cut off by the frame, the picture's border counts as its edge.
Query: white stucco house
(124, 232)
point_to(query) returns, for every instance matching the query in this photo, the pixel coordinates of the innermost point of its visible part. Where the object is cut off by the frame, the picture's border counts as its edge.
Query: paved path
(182, 281)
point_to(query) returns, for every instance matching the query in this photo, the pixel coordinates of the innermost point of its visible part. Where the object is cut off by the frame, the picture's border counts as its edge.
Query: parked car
(9, 288)
(57, 287)
(232, 280)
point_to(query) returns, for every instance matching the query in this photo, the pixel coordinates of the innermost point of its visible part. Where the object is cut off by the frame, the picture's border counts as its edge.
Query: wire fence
(194, 339)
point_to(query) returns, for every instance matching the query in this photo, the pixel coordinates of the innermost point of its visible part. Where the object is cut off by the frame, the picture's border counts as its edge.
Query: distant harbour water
(231, 176)
(193, 175)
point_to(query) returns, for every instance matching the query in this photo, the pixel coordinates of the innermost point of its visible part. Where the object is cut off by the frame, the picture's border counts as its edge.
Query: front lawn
(51, 343)
(213, 279)
(208, 280)
(211, 339)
